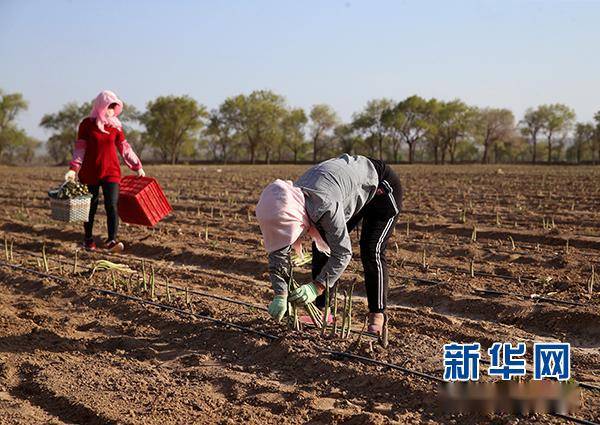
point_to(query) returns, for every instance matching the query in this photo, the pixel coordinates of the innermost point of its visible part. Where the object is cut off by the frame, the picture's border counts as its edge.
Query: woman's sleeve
(279, 264)
(333, 223)
(80, 146)
(127, 153)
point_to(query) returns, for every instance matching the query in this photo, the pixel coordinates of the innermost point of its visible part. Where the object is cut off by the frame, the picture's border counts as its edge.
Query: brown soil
(69, 354)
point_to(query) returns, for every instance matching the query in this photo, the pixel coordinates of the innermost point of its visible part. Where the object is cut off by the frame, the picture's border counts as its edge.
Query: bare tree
(323, 121)
(493, 125)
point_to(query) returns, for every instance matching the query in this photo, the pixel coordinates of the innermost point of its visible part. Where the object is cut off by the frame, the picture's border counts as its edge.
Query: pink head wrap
(283, 218)
(101, 104)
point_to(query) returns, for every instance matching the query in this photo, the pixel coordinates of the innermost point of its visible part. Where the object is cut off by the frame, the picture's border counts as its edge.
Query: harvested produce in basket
(69, 190)
(70, 202)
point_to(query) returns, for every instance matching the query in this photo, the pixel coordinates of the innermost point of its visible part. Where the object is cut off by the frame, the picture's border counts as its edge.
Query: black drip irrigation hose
(525, 297)
(481, 292)
(430, 281)
(589, 386)
(334, 353)
(219, 297)
(209, 295)
(574, 419)
(440, 282)
(187, 313)
(363, 359)
(234, 301)
(191, 291)
(409, 263)
(258, 307)
(475, 273)
(35, 272)
(420, 280)
(367, 334)
(178, 288)
(478, 292)
(494, 249)
(227, 299)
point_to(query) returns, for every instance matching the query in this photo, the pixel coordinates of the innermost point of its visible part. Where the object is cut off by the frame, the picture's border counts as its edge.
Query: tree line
(262, 127)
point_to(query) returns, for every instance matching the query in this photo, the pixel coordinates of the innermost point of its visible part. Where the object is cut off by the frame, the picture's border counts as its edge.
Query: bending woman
(327, 202)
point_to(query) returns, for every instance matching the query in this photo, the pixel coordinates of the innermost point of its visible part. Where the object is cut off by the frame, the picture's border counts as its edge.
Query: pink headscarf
(101, 104)
(283, 218)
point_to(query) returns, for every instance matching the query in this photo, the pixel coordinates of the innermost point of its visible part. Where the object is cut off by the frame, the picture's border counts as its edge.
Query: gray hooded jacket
(335, 190)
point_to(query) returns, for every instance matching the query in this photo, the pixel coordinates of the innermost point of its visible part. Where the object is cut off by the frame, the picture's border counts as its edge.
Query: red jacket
(95, 154)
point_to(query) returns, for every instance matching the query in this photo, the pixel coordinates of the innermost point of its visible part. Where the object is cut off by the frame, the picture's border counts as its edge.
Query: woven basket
(71, 210)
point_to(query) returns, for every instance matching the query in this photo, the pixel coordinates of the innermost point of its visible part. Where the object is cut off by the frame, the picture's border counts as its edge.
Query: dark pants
(110, 191)
(378, 218)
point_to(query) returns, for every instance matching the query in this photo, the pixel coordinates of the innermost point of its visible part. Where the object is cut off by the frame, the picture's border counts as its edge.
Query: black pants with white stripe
(378, 219)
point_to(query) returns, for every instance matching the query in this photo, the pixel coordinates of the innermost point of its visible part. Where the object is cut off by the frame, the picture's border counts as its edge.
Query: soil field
(479, 254)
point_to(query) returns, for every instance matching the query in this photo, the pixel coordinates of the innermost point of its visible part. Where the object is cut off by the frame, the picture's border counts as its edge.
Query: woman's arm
(279, 266)
(333, 223)
(129, 157)
(80, 146)
(78, 155)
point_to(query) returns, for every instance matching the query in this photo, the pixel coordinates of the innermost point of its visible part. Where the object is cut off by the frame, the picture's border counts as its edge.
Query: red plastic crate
(142, 201)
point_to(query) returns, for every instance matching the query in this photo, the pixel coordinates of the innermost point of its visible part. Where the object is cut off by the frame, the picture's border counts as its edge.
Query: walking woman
(326, 203)
(95, 160)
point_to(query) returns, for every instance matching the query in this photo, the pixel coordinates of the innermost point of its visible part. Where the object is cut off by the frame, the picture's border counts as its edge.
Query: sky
(508, 53)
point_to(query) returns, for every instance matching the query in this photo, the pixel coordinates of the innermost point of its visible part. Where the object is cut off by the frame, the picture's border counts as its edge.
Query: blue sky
(506, 53)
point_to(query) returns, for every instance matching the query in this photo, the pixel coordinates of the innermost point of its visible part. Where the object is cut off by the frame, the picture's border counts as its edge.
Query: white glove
(70, 176)
(141, 173)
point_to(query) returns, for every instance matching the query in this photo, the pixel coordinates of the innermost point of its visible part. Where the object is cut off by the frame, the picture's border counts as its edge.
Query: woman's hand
(70, 176)
(306, 293)
(278, 307)
(141, 173)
